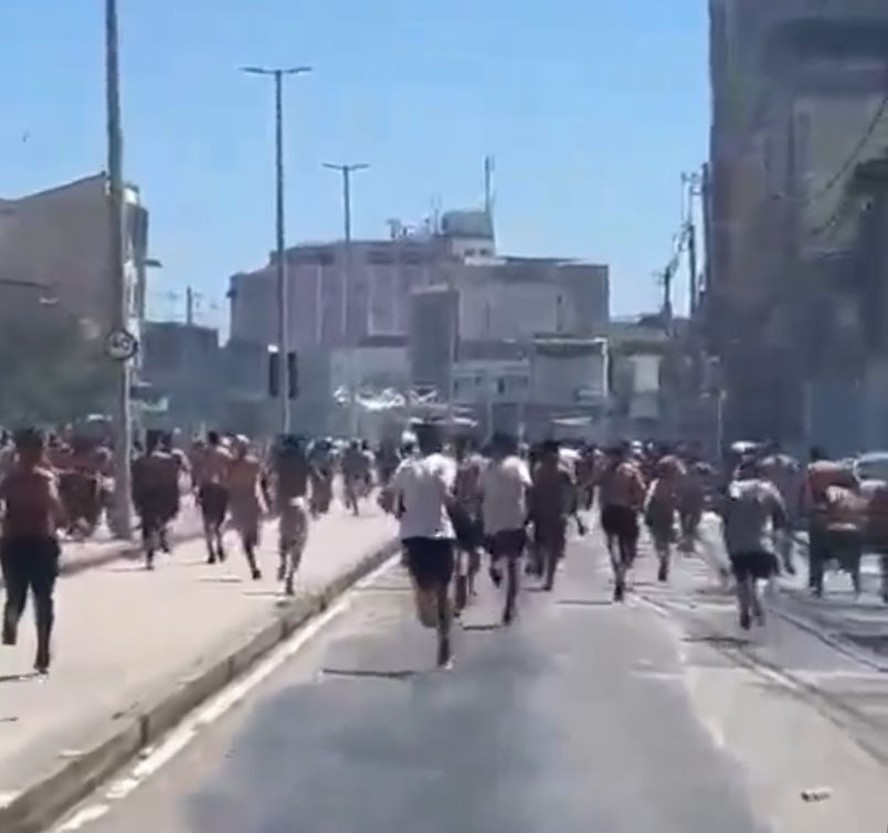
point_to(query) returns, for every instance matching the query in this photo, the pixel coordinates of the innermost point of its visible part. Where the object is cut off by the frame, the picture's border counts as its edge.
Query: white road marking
(154, 758)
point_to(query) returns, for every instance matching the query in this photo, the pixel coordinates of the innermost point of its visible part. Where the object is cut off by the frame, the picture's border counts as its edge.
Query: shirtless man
(155, 484)
(554, 497)
(211, 479)
(246, 499)
(292, 472)
(621, 497)
(29, 546)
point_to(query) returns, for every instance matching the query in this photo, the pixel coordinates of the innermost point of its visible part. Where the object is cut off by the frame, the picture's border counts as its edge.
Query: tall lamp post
(121, 518)
(283, 335)
(346, 171)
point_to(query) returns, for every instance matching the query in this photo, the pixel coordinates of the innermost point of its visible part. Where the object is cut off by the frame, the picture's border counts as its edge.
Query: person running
(783, 471)
(691, 503)
(554, 498)
(292, 474)
(423, 487)
(29, 545)
(246, 500)
(322, 469)
(661, 505)
(504, 487)
(621, 498)
(751, 510)
(211, 476)
(470, 465)
(355, 469)
(830, 534)
(155, 492)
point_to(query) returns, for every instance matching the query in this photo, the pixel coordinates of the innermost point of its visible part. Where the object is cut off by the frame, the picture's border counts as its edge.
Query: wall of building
(497, 381)
(185, 362)
(517, 299)
(59, 239)
(370, 366)
(829, 131)
(570, 376)
(382, 275)
(433, 337)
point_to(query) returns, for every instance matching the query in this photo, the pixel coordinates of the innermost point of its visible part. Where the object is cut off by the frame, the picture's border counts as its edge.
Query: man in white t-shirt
(504, 487)
(422, 490)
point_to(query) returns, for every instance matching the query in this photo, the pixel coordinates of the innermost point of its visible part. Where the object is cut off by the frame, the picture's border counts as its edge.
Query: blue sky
(591, 108)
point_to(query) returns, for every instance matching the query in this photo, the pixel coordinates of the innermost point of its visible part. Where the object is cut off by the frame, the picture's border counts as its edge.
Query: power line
(853, 159)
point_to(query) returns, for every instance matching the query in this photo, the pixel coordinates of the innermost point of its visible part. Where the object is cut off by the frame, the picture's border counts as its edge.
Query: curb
(41, 804)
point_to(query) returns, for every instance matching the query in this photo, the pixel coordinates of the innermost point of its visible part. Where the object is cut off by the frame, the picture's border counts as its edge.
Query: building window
(380, 257)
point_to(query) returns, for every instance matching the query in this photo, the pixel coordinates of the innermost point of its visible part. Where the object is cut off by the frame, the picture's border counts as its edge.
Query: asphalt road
(583, 716)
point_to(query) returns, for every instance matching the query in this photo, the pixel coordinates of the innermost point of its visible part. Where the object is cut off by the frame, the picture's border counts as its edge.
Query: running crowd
(455, 503)
(51, 486)
(516, 505)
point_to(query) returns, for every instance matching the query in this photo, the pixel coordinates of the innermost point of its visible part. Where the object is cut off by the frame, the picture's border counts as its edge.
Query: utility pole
(189, 306)
(693, 183)
(283, 295)
(346, 171)
(121, 518)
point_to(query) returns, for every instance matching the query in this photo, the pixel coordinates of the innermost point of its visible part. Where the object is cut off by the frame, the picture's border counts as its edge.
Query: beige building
(55, 253)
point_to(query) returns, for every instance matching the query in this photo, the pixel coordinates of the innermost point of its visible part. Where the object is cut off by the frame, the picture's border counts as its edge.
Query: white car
(871, 468)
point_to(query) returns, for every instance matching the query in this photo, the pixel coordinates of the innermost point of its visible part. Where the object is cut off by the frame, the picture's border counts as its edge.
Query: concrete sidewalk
(135, 651)
(103, 549)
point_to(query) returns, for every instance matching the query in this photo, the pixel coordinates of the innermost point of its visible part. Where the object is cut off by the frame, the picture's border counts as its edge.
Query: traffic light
(274, 374)
(292, 375)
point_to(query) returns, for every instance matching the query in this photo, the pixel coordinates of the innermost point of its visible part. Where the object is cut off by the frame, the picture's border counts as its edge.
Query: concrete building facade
(326, 310)
(799, 92)
(55, 249)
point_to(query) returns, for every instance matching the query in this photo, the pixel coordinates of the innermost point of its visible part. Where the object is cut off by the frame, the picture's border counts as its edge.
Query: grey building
(183, 363)
(332, 305)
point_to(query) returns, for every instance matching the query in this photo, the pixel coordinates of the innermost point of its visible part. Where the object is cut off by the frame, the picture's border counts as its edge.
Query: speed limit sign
(121, 345)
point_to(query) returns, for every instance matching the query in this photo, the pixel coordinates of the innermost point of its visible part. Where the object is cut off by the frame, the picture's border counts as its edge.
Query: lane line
(155, 758)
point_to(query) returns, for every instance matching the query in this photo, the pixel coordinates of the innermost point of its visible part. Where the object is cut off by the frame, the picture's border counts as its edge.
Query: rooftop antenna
(488, 187)
(436, 215)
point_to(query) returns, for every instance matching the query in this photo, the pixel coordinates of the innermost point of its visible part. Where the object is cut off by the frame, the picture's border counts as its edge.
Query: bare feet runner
(292, 472)
(504, 488)
(29, 546)
(155, 494)
(554, 498)
(621, 496)
(246, 499)
(211, 477)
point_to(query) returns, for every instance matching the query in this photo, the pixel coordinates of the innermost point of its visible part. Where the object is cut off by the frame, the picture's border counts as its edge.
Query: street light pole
(283, 295)
(346, 171)
(121, 518)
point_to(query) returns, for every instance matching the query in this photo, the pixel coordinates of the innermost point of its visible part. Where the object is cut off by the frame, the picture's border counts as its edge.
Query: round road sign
(121, 345)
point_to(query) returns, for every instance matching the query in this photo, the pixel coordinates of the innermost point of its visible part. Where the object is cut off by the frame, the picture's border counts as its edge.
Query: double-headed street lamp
(282, 290)
(346, 171)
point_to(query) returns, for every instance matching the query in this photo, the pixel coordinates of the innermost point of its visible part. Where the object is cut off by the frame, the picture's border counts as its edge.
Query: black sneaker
(10, 632)
(445, 656)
